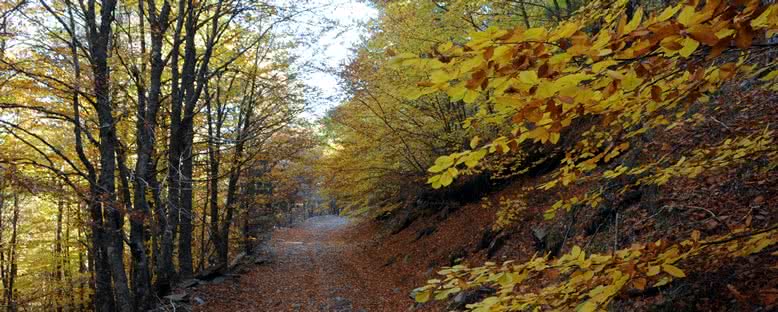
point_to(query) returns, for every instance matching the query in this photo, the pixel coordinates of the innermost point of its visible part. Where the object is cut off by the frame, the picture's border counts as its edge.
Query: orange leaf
(639, 283)
(744, 37)
(656, 93)
(704, 34)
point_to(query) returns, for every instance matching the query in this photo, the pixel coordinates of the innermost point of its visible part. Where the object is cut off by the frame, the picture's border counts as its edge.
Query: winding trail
(317, 267)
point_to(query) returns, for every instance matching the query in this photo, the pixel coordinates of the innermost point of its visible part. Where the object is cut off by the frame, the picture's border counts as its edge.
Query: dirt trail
(317, 267)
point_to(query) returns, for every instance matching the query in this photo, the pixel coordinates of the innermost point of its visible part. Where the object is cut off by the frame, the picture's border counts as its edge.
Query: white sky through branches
(331, 48)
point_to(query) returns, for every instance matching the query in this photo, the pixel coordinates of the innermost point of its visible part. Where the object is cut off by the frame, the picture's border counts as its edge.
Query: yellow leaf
(588, 306)
(471, 63)
(653, 270)
(770, 75)
(669, 12)
(445, 179)
(440, 76)
(470, 96)
(474, 141)
(474, 158)
(529, 77)
(635, 22)
(457, 92)
(673, 270)
(436, 169)
(763, 20)
(689, 46)
(534, 34)
(687, 16)
(554, 137)
(726, 32)
(663, 281)
(444, 161)
(423, 296)
(615, 75)
(599, 66)
(539, 134)
(575, 252)
(564, 31)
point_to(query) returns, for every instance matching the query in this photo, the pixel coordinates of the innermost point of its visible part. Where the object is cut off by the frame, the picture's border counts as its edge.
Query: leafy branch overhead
(637, 74)
(595, 85)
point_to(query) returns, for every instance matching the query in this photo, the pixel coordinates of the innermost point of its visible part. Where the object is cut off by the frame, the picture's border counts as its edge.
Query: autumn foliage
(596, 85)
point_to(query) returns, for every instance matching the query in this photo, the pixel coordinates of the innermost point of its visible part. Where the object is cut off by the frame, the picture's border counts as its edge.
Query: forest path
(317, 267)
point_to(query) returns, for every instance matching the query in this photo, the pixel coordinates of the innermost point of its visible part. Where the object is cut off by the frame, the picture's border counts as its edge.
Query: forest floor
(317, 266)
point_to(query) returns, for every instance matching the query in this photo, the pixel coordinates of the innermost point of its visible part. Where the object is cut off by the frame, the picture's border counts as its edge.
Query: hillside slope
(374, 264)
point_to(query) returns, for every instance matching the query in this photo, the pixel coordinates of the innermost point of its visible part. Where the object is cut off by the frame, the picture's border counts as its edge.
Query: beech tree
(113, 99)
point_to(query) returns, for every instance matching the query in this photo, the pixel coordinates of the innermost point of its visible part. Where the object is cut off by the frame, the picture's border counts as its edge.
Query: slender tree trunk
(194, 80)
(203, 226)
(82, 269)
(232, 184)
(67, 265)
(10, 291)
(214, 159)
(3, 271)
(557, 10)
(165, 269)
(524, 14)
(58, 256)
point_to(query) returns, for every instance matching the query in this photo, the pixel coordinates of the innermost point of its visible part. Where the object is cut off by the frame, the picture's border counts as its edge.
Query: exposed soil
(316, 268)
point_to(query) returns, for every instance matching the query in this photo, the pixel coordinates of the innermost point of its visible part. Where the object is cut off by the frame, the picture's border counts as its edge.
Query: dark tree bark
(145, 139)
(104, 193)
(185, 136)
(214, 159)
(165, 269)
(103, 297)
(193, 80)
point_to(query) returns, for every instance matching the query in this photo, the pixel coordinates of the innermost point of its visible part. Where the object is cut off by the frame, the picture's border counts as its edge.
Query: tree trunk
(3, 271)
(10, 292)
(165, 269)
(214, 159)
(104, 194)
(58, 257)
(194, 80)
(524, 14)
(145, 139)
